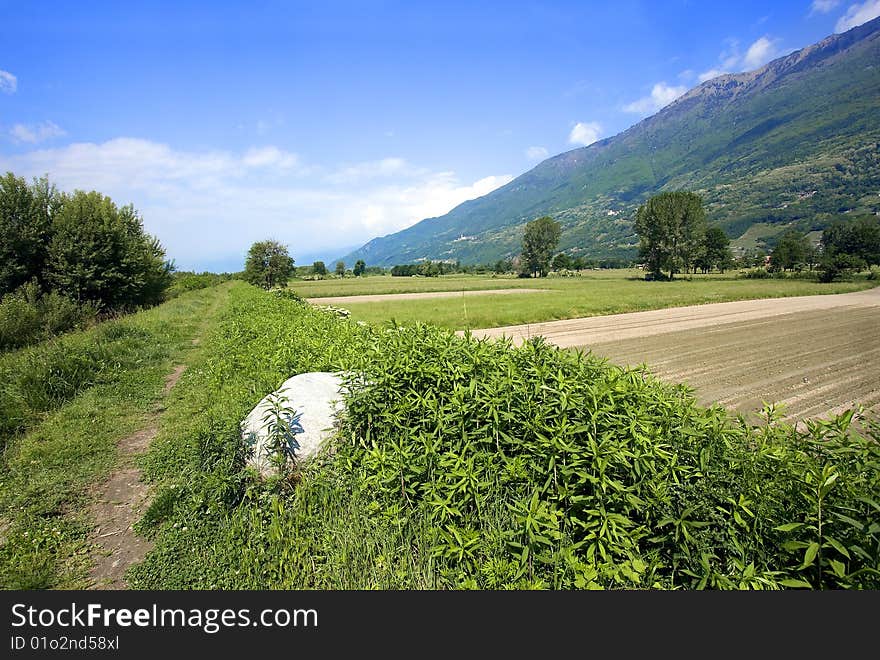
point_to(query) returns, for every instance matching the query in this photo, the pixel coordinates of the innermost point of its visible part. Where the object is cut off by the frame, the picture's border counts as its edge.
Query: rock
(313, 401)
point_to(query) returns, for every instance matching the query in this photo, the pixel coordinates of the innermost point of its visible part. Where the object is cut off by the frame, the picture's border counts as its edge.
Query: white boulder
(312, 402)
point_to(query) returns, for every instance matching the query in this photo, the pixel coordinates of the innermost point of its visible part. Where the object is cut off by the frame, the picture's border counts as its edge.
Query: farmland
(596, 293)
(812, 363)
(461, 463)
(813, 355)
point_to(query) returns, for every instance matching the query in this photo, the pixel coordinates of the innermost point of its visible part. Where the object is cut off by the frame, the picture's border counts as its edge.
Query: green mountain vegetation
(792, 145)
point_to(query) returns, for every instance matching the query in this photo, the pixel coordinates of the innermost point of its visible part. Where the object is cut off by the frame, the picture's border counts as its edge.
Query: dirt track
(815, 354)
(378, 297)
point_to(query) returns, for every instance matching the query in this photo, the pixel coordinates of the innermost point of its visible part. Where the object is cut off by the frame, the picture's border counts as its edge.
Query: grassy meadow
(64, 406)
(595, 293)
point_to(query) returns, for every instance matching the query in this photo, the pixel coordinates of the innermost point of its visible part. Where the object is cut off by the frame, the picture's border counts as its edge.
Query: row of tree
(844, 246)
(674, 237)
(269, 264)
(80, 245)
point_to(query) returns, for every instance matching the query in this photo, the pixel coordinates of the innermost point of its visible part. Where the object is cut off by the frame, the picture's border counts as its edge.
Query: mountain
(794, 143)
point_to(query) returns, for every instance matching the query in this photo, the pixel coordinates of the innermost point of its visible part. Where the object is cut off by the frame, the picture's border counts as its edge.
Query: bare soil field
(816, 355)
(382, 297)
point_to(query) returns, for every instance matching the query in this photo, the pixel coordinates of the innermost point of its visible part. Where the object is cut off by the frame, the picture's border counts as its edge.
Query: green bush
(20, 322)
(27, 316)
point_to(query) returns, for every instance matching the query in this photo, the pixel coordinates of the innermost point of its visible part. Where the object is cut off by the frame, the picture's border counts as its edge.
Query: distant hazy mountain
(792, 143)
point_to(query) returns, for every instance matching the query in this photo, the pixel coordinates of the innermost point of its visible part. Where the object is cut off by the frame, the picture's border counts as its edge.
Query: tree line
(845, 246)
(674, 237)
(68, 257)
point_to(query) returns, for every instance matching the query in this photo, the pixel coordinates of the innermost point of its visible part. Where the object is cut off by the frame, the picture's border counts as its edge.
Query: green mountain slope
(794, 143)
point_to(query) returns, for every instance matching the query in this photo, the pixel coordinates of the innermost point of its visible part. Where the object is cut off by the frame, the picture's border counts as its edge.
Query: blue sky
(326, 124)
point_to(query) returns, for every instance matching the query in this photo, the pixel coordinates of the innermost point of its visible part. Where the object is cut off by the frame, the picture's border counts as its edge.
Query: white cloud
(394, 207)
(711, 73)
(585, 133)
(537, 153)
(8, 82)
(661, 96)
(857, 14)
(269, 157)
(34, 133)
(823, 6)
(373, 169)
(759, 53)
(207, 207)
(731, 60)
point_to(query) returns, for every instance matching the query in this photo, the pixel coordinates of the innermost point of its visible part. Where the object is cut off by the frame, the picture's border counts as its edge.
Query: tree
(858, 238)
(318, 268)
(359, 267)
(539, 241)
(26, 213)
(340, 268)
(671, 228)
(850, 246)
(790, 251)
(716, 250)
(100, 253)
(561, 262)
(268, 264)
(502, 266)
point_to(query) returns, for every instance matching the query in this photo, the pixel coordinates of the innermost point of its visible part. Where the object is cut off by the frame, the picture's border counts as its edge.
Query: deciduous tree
(539, 241)
(671, 228)
(268, 264)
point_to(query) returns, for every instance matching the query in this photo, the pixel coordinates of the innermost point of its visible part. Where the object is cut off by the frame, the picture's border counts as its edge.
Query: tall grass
(64, 405)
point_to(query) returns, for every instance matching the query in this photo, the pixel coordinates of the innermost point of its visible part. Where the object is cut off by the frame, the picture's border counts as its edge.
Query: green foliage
(100, 253)
(183, 281)
(360, 268)
(268, 264)
(318, 268)
(474, 464)
(423, 269)
(561, 262)
(64, 406)
(26, 213)
(715, 251)
(502, 266)
(340, 269)
(791, 251)
(672, 231)
(850, 246)
(540, 238)
(28, 316)
(64, 258)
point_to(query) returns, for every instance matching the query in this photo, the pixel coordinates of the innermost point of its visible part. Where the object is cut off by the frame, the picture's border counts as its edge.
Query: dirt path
(377, 297)
(119, 503)
(816, 355)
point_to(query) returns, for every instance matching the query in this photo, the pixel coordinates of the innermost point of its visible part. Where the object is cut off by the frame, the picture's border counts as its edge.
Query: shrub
(27, 316)
(20, 322)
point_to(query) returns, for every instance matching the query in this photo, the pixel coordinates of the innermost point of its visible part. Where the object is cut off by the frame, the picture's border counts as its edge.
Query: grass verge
(66, 403)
